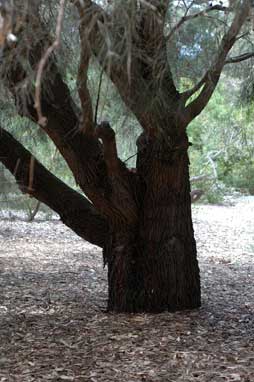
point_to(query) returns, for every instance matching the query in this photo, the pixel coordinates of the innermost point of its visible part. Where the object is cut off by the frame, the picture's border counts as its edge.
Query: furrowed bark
(150, 249)
(154, 267)
(74, 210)
(170, 265)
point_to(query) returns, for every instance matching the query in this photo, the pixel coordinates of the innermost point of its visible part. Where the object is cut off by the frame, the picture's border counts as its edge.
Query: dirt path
(53, 287)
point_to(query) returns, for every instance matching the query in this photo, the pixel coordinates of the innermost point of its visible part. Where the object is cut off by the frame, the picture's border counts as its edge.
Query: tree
(141, 218)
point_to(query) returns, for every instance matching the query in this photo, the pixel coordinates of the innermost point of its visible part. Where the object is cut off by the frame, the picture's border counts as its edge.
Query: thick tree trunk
(151, 251)
(153, 267)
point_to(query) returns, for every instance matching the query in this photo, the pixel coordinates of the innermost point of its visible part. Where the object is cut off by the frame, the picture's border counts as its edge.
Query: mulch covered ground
(53, 291)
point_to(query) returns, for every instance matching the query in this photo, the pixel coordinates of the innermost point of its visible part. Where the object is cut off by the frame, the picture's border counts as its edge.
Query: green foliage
(221, 136)
(31, 136)
(111, 108)
(222, 143)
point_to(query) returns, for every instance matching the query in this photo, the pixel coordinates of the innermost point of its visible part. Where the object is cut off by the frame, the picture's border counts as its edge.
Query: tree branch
(211, 77)
(107, 136)
(122, 190)
(41, 119)
(240, 58)
(75, 211)
(136, 61)
(82, 152)
(194, 16)
(87, 121)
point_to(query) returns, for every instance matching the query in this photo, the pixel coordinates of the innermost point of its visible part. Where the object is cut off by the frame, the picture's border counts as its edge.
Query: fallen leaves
(52, 327)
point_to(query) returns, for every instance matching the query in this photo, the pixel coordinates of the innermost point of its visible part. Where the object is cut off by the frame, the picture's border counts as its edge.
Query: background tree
(141, 218)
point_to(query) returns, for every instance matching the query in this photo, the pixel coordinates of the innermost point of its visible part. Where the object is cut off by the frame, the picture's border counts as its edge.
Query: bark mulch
(53, 293)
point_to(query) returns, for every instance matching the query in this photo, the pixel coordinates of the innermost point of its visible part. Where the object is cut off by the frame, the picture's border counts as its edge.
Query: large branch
(131, 48)
(209, 81)
(19, 67)
(87, 120)
(122, 180)
(82, 152)
(34, 179)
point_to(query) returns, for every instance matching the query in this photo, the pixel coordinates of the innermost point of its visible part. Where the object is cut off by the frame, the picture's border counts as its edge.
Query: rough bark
(153, 266)
(172, 273)
(74, 210)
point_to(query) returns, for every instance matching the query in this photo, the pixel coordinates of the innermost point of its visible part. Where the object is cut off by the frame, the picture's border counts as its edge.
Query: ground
(53, 292)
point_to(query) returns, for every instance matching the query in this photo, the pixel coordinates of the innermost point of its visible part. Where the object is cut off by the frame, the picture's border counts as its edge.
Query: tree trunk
(153, 267)
(152, 263)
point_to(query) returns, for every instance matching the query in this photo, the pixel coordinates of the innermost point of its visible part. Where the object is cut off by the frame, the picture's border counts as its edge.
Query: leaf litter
(53, 294)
